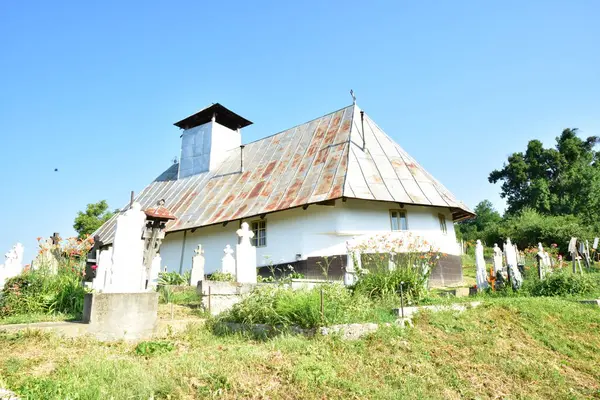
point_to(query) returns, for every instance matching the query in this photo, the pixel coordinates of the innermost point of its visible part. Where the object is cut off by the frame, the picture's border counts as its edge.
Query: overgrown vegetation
(534, 348)
(219, 276)
(51, 289)
(284, 307)
(564, 283)
(172, 278)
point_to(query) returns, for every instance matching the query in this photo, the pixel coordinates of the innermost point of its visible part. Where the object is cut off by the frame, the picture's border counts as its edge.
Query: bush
(171, 278)
(529, 227)
(219, 276)
(41, 292)
(281, 306)
(564, 283)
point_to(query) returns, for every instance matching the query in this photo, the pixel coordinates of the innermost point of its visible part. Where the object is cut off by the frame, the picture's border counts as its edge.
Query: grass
(32, 318)
(507, 348)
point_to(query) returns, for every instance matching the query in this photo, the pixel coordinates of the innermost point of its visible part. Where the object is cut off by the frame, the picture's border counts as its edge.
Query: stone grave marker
(544, 263)
(46, 259)
(228, 261)
(482, 283)
(154, 271)
(13, 263)
(197, 266)
(497, 259)
(514, 275)
(103, 270)
(128, 270)
(245, 256)
(575, 255)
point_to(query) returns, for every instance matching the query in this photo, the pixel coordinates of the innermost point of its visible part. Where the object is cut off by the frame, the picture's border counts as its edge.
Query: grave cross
(245, 234)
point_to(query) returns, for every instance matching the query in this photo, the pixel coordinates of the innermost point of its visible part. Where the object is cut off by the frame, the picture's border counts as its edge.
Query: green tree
(484, 226)
(564, 180)
(94, 216)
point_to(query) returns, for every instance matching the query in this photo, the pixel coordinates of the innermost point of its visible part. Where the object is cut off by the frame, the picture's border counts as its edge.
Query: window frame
(443, 223)
(255, 239)
(400, 212)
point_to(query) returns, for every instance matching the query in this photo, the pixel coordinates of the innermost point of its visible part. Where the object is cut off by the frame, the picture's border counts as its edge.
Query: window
(260, 233)
(442, 219)
(398, 218)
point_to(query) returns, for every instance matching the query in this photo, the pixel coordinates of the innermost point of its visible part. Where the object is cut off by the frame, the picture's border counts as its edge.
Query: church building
(304, 192)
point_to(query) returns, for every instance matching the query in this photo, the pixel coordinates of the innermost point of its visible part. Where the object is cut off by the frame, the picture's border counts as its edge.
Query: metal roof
(323, 159)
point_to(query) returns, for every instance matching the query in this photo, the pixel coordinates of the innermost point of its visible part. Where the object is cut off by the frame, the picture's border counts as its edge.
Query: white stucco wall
(317, 231)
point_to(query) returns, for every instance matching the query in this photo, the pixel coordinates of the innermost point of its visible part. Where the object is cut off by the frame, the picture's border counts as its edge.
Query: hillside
(508, 348)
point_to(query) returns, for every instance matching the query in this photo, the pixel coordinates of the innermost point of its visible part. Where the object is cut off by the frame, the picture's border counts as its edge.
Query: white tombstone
(46, 259)
(103, 269)
(481, 275)
(497, 259)
(544, 263)
(197, 274)
(246, 256)
(510, 254)
(228, 262)
(595, 244)
(13, 264)
(128, 271)
(353, 263)
(154, 271)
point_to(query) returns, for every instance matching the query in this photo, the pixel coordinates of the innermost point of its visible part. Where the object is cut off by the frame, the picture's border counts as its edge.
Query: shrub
(530, 227)
(219, 276)
(564, 283)
(171, 278)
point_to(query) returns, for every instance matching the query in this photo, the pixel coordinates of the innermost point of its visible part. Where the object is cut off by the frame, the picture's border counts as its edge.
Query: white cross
(228, 251)
(245, 233)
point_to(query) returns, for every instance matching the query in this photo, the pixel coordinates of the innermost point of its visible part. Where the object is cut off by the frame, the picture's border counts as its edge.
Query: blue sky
(93, 89)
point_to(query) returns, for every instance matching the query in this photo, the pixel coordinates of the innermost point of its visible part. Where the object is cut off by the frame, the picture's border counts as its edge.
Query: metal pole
(322, 311)
(209, 300)
(131, 199)
(402, 299)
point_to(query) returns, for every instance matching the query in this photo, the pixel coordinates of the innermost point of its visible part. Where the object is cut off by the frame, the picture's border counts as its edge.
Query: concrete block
(595, 302)
(223, 288)
(116, 316)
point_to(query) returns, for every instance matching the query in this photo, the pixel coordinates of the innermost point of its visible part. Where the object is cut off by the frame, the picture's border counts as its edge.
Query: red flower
(94, 267)
(554, 245)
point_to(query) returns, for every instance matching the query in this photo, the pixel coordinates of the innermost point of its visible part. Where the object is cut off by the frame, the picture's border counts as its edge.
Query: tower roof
(223, 116)
(324, 159)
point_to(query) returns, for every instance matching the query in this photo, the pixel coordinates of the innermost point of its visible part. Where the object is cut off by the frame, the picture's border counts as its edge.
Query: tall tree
(564, 180)
(94, 216)
(486, 219)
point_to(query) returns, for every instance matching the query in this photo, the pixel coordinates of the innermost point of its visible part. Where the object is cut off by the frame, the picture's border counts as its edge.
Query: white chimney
(207, 137)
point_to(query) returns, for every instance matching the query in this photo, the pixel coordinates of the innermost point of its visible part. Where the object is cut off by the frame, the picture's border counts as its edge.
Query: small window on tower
(398, 219)
(260, 233)
(442, 219)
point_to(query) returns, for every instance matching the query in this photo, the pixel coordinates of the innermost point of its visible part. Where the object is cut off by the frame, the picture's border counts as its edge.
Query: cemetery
(383, 306)
(163, 298)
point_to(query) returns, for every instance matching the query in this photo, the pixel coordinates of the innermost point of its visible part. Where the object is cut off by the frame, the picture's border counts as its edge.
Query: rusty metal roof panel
(320, 160)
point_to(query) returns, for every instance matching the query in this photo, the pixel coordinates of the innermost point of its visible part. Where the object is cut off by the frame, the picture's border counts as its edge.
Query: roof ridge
(297, 125)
